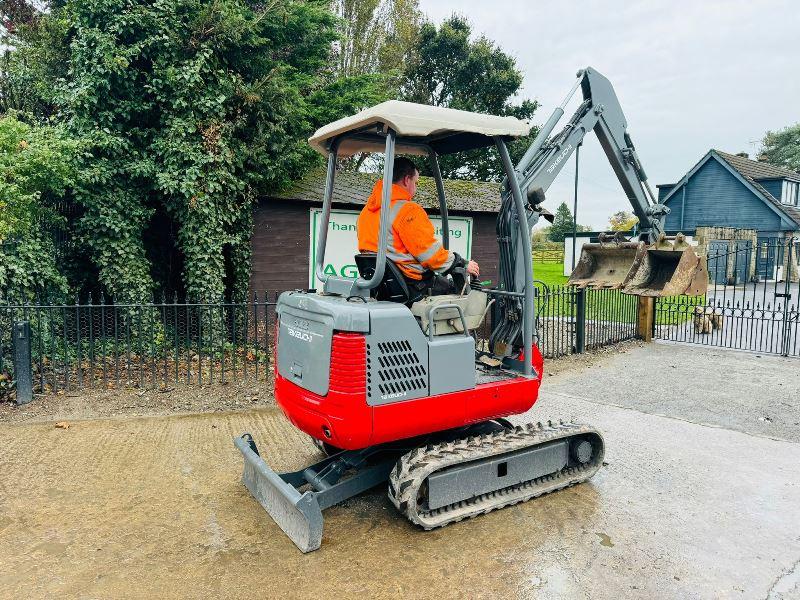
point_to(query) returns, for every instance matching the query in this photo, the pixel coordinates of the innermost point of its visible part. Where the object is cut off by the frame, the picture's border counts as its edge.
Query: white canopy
(446, 130)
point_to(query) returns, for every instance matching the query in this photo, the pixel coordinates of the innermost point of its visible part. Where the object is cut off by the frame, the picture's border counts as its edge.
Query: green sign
(342, 242)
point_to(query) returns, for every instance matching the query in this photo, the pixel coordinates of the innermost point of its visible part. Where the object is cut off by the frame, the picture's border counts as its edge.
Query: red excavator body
(343, 419)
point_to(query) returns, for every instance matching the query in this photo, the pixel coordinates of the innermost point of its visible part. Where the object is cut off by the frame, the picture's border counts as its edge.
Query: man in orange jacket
(412, 245)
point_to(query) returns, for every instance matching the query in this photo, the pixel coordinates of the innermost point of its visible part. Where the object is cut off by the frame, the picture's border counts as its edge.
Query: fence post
(22, 361)
(787, 296)
(645, 318)
(580, 321)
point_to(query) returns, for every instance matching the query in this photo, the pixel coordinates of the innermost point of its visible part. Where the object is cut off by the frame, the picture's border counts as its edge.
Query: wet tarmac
(152, 507)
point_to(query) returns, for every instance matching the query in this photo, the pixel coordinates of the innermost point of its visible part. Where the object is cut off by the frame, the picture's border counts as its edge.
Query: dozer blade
(607, 265)
(668, 269)
(299, 515)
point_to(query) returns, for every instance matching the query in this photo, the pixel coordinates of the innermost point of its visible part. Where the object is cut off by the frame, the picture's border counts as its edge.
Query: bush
(37, 167)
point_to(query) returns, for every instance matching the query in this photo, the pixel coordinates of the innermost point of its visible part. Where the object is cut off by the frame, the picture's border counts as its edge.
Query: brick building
(281, 240)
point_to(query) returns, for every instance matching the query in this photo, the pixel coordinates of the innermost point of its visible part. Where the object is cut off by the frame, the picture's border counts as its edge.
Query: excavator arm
(652, 267)
(600, 112)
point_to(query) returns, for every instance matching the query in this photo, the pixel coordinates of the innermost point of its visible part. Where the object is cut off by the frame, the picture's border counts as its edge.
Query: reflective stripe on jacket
(412, 243)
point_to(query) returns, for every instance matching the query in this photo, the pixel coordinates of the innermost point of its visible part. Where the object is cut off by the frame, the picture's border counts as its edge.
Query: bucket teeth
(666, 268)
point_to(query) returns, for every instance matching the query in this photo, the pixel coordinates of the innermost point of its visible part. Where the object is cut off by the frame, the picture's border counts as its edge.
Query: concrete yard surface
(699, 501)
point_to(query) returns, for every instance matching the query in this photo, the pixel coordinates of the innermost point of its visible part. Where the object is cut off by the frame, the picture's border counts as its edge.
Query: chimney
(762, 158)
(743, 154)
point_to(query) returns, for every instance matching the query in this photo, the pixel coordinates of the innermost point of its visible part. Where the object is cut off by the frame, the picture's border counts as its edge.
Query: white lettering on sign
(342, 242)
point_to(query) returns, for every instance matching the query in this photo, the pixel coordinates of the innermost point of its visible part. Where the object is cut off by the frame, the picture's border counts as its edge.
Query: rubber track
(413, 469)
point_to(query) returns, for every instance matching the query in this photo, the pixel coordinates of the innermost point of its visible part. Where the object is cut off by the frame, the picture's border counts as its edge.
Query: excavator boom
(600, 112)
(649, 266)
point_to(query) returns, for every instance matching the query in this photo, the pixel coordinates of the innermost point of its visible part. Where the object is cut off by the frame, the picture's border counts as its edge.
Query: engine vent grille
(399, 368)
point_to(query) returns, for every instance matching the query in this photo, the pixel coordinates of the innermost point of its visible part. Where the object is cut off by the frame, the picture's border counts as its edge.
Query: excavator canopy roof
(445, 130)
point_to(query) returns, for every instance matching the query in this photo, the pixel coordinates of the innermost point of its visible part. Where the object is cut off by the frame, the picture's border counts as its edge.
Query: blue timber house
(742, 212)
(730, 190)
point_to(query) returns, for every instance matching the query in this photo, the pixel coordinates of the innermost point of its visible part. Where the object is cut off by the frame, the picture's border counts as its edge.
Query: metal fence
(569, 320)
(106, 345)
(103, 345)
(751, 303)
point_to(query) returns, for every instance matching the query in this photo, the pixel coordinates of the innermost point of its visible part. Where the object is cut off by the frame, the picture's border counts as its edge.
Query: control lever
(461, 279)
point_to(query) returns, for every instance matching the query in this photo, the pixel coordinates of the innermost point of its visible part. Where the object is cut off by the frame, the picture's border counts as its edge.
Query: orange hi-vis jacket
(412, 244)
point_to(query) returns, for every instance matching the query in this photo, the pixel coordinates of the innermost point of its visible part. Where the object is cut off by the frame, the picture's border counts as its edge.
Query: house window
(790, 193)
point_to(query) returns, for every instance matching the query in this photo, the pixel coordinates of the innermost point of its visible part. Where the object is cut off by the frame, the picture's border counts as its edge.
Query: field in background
(549, 273)
(613, 305)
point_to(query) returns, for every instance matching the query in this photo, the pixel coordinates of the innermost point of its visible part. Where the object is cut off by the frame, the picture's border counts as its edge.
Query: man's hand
(473, 268)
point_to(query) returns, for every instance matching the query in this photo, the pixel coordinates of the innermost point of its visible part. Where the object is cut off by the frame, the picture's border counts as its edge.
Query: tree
(447, 68)
(540, 235)
(188, 110)
(35, 59)
(37, 167)
(376, 36)
(622, 221)
(562, 223)
(783, 147)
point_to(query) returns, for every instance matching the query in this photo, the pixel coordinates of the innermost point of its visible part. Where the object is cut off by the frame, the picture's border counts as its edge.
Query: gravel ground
(180, 399)
(152, 507)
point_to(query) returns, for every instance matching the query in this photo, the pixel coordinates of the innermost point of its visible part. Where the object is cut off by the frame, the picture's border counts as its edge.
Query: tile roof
(756, 169)
(753, 171)
(354, 188)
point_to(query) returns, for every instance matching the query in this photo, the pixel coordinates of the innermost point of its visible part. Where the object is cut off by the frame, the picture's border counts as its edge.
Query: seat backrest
(447, 320)
(393, 286)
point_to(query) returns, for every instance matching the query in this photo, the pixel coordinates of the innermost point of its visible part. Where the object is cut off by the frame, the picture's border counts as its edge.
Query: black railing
(610, 317)
(751, 303)
(159, 344)
(107, 345)
(569, 320)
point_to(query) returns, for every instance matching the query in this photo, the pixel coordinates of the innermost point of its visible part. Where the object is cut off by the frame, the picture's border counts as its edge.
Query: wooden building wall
(716, 198)
(281, 245)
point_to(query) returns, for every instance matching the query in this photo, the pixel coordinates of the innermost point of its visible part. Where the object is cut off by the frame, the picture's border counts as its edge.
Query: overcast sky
(690, 75)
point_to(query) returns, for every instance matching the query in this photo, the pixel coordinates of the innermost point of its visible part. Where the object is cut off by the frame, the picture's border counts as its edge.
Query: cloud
(690, 76)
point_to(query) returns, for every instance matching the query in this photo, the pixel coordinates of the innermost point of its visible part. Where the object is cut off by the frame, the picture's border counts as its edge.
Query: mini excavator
(390, 384)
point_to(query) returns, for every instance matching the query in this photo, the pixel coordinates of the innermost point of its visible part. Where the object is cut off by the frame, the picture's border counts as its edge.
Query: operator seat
(446, 318)
(393, 286)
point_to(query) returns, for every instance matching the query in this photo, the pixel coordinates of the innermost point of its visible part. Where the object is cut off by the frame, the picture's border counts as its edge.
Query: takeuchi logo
(559, 158)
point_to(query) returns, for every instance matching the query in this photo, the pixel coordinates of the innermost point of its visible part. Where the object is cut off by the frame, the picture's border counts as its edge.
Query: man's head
(405, 174)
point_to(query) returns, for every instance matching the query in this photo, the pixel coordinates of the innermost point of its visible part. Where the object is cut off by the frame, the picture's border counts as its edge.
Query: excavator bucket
(607, 265)
(668, 269)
